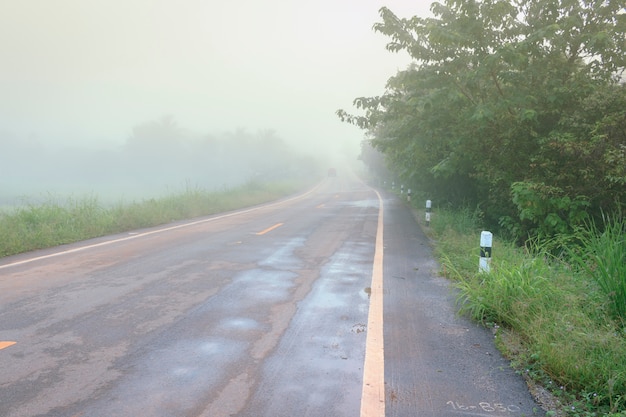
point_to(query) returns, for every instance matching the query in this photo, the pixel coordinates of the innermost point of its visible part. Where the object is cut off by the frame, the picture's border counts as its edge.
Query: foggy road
(260, 312)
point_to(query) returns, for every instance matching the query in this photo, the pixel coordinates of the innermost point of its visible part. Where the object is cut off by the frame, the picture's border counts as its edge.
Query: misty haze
(128, 100)
(159, 157)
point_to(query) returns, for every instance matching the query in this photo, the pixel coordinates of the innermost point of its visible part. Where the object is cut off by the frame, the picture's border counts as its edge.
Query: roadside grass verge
(602, 256)
(555, 319)
(55, 222)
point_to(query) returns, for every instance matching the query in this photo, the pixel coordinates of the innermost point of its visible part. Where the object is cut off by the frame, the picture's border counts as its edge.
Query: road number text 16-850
(485, 406)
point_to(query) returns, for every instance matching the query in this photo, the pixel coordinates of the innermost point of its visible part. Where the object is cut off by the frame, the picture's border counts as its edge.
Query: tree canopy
(517, 106)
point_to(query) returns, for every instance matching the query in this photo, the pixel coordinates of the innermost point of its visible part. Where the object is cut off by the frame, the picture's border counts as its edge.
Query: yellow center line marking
(269, 229)
(373, 394)
(4, 345)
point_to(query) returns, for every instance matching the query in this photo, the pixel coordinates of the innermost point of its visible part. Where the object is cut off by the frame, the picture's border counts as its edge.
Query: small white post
(393, 185)
(408, 195)
(486, 239)
(402, 189)
(428, 208)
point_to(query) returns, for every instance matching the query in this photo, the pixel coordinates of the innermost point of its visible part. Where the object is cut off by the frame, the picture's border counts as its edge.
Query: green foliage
(547, 210)
(602, 256)
(508, 294)
(51, 223)
(456, 240)
(556, 324)
(503, 93)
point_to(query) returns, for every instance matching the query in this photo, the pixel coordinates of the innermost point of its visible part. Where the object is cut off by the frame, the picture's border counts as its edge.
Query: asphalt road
(260, 312)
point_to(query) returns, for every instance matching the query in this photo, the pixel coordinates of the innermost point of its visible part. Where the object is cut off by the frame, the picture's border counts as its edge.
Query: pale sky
(87, 71)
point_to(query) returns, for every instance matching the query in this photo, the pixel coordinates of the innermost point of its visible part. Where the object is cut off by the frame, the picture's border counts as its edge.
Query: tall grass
(562, 319)
(55, 222)
(603, 257)
(34, 226)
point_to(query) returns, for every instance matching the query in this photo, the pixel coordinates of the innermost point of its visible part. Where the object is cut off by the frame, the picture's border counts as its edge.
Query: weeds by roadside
(602, 256)
(559, 323)
(53, 222)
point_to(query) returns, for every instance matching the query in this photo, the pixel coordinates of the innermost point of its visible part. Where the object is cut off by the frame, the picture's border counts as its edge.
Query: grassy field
(560, 320)
(54, 222)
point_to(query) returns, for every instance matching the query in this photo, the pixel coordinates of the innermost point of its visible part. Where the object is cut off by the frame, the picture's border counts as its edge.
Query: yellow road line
(4, 345)
(269, 229)
(373, 394)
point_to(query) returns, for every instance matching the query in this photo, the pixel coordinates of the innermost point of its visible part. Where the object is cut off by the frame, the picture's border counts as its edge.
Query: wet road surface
(437, 363)
(261, 312)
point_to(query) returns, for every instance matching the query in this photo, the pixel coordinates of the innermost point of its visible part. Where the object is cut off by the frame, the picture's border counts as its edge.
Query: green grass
(602, 256)
(54, 222)
(557, 322)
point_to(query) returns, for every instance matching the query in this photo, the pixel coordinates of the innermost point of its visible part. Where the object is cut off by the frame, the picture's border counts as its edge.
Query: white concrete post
(408, 195)
(486, 239)
(428, 208)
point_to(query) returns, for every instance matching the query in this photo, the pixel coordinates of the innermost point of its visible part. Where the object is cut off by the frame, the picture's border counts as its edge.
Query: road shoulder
(436, 362)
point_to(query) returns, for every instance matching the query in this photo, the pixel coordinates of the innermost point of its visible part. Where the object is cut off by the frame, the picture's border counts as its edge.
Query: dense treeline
(515, 106)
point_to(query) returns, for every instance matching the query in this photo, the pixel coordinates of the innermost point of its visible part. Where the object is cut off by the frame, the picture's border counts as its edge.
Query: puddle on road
(283, 258)
(324, 344)
(372, 203)
(239, 323)
(170, 378)
(264, 285)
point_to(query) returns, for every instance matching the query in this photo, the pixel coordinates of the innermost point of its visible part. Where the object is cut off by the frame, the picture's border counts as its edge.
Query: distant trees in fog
(158, 156)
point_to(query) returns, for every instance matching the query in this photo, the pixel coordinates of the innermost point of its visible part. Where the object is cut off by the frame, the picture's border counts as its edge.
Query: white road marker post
(402, 189)
(428, 208)
(486, 239)
(408, 195)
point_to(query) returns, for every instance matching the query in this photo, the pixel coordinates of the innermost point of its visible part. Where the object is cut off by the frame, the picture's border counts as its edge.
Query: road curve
(275, 310)
(257, 312)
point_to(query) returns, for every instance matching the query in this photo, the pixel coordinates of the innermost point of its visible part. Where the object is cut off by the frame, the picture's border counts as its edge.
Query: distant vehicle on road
(332, 172)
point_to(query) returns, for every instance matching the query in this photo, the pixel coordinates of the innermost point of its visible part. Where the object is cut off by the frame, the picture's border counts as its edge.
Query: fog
(135, 96)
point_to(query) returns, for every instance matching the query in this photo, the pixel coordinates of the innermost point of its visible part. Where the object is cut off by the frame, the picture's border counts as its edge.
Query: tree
(493, 87)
